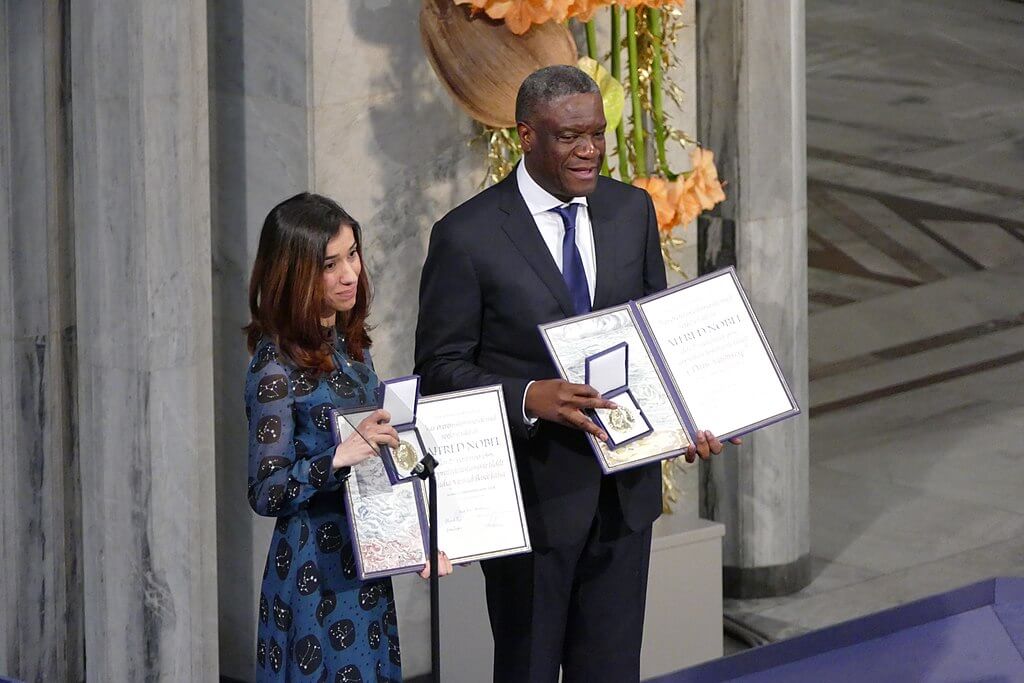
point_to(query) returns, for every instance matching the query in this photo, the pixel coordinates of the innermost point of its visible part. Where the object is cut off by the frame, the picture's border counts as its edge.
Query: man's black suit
(488, 281)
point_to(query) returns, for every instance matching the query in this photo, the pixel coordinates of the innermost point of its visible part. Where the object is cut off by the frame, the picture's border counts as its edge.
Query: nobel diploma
(716, 355)
(479, 503)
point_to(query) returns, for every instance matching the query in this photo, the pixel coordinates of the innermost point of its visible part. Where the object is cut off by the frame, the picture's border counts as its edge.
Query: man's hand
(706, 446)
(559, 401)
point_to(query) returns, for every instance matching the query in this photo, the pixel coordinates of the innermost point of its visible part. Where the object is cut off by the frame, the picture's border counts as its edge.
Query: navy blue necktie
(572, 263)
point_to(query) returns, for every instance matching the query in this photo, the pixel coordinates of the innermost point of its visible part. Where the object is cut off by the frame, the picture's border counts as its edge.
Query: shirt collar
(538, 200)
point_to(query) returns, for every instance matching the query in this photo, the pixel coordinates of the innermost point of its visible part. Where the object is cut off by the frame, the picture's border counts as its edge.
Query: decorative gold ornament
(503, 152)
(670, 491)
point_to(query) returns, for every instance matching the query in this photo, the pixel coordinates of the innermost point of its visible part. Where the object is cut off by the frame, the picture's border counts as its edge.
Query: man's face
(563, 144)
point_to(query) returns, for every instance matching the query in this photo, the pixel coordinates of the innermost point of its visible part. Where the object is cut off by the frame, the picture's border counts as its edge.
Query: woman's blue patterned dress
(317, 621)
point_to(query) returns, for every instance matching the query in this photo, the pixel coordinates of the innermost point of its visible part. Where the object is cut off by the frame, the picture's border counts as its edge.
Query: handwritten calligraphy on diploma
(478, 505)
(715, 354)
(574, 341)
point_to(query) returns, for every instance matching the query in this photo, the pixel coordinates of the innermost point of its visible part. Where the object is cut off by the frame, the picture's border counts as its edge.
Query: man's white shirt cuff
(528, 421)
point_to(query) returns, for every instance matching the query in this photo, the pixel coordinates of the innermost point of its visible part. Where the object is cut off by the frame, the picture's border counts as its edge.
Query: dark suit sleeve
(654, 264)
(448, 329)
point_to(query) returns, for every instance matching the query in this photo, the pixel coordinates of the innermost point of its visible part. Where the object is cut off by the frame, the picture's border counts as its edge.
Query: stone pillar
(40, 571)
(260, 155)
(751, 113)
(142, 253)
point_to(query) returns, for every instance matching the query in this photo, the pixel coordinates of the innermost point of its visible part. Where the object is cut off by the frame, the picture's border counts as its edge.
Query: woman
(309, 298)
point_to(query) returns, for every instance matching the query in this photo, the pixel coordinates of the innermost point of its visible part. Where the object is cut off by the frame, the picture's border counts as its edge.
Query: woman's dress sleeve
(281, 479)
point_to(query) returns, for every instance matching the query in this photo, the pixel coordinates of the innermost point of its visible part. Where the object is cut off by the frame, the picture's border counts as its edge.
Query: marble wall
(388, 144)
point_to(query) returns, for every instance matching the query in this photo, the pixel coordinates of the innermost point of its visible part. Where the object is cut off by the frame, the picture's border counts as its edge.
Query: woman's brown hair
(286, 292)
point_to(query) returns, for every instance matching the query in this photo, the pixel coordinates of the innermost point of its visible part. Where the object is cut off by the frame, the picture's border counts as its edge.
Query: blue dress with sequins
(317, 621)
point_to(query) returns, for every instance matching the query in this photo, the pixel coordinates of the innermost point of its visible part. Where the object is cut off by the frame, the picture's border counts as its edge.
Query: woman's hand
(442, 559)
(365, 441)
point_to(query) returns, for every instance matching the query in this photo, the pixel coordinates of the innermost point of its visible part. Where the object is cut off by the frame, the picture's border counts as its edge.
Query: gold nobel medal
(405, 456)
(621, 419)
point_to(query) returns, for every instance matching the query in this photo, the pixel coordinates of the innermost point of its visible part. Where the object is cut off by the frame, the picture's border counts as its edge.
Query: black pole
(435, 607)
(425, 470)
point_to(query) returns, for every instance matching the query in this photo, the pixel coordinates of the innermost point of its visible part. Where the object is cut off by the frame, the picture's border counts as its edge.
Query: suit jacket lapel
(602, 222)
(522, 230)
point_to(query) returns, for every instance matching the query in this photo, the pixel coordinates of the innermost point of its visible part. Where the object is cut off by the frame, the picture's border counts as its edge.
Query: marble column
(260, 155)
(40, 570)
(751, 113)
(142, 252)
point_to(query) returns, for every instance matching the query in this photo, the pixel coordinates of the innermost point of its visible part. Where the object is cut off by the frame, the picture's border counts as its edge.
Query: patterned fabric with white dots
(317, 621)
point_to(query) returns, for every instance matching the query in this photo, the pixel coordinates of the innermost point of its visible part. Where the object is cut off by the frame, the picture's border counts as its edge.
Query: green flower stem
(616, 70)
(640, 169)
(657, 103)
(616, 52)
(592, 53)
(591, 40)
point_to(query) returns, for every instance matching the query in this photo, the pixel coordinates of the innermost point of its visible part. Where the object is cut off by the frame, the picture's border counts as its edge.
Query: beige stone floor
(916, 276)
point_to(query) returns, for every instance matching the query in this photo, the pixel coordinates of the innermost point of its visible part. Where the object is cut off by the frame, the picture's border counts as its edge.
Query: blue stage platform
(975, 633)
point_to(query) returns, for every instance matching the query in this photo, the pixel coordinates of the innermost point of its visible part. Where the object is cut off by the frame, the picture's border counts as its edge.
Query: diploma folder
(480, 505)
(709, 363)
(387, 522)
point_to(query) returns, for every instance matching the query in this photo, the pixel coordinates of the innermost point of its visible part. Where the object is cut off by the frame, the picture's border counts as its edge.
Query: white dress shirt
(539, 202)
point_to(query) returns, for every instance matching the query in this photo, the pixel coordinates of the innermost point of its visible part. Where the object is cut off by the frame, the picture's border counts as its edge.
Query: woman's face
(341, 271)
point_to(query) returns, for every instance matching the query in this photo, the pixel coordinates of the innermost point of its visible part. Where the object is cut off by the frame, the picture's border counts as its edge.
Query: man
(552, 240)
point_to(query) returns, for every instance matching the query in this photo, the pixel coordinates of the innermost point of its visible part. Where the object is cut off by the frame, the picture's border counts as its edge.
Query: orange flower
(583, 10)
(706, 186)
(520, 15)
(656, 4)
(689, 206)
(680, 201)
(666, 196)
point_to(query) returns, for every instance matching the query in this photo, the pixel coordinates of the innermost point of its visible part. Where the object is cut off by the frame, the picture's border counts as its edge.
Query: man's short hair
(550, 83)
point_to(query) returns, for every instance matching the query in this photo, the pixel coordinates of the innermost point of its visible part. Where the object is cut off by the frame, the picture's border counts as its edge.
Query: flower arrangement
(643, 35)
(520, 15)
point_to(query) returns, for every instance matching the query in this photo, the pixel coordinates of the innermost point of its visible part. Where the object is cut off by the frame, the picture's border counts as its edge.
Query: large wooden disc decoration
(482, 63)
